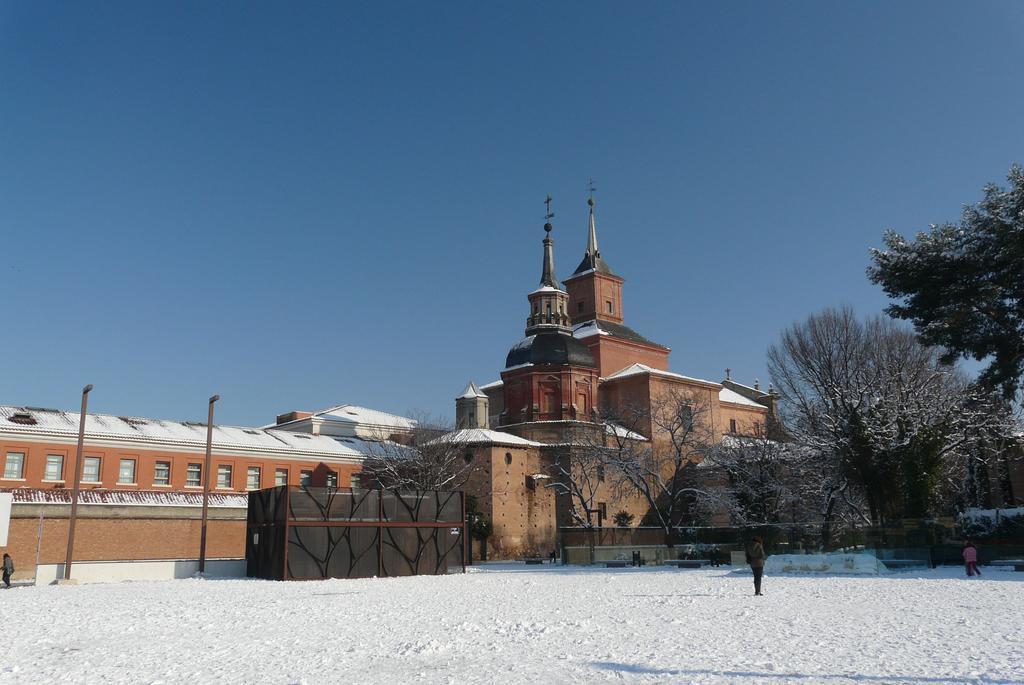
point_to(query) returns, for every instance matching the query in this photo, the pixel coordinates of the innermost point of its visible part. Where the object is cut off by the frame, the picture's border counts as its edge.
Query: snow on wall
(138, 498)
(846, 564)
(146, 569)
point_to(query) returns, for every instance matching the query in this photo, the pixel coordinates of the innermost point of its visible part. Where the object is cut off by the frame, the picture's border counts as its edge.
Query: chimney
(292, 416)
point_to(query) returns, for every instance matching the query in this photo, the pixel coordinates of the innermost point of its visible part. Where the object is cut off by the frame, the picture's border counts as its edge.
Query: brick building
(578, 363)
(142, 479)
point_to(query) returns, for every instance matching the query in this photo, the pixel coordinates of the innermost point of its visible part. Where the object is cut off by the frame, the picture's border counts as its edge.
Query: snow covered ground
(517, 624)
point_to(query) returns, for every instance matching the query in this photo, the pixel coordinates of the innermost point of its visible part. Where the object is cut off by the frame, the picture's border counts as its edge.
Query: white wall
(118, 571)
(5, 516)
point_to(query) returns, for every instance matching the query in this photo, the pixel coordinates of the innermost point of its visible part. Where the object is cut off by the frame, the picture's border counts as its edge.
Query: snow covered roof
(189, 434)
(638, 369)
(474, 436)
(616, 330)
(727, 395)
(136, 498)
(471, 392)
(622, 432)
(352, 413)
(546, 289)
(492, 385)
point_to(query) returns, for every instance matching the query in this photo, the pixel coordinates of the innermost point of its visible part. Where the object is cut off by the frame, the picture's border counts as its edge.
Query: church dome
(549, 348)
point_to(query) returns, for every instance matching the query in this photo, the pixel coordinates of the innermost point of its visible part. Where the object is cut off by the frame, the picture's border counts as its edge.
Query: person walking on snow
(755, 557)
(971, 559)
(8, 569)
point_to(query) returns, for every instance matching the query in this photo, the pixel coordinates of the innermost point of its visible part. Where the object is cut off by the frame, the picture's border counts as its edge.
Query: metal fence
(303, 533)
(926, 542)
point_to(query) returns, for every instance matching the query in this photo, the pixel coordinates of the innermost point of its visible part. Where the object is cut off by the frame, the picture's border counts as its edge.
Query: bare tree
(578, 471)
(661, 470)
(430, 458)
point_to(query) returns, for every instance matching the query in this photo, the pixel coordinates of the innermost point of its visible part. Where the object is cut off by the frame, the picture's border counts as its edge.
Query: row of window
(14, 469)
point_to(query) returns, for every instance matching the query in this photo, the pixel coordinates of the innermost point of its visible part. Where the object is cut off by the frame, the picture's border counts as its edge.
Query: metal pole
(77, 481)
(39, 545)
(206, 485)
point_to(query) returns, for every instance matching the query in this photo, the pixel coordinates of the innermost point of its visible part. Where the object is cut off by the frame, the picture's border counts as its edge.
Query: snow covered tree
(880, 408)
(962, 285)
(758, 477)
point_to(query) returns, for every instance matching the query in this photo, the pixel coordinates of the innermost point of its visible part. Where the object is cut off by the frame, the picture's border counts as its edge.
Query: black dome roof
(549, 348)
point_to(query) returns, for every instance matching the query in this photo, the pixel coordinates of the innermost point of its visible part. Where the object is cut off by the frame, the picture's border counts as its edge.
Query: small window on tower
(608, 305)
(579, 307)
(732, 425)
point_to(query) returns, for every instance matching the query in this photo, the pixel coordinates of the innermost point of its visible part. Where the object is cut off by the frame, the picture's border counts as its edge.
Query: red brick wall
(102, 539)
(594, 291)
(612, 354)
(145, 465)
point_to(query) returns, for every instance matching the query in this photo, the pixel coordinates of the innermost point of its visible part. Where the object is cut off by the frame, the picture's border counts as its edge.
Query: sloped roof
(477, 436)
(638, 369)
(471, 392)
(622, 432)
(727, 395)
(354, 414)
(593, 327)
(55, 422)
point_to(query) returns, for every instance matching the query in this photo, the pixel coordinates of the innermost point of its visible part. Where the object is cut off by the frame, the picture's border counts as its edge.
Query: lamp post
(76, 482)
(206, 485)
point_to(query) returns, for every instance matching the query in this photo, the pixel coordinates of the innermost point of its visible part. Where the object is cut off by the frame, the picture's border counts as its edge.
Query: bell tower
(595, 307)
(595, 291)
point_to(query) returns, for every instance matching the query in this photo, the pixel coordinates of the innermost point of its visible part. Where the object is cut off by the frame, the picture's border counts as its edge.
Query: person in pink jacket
(971, 558)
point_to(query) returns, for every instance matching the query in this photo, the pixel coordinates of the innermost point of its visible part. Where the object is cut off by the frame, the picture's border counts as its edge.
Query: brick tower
(595, 305)
(549, 375)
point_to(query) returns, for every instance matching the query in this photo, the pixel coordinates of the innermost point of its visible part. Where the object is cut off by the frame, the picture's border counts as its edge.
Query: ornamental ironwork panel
(297, 533)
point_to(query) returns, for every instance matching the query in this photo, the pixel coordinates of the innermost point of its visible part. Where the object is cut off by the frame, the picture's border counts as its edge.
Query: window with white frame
(126, 472)
(162, 473)
(253, 478)
(14, 467)
(194, 476)
(306, 478)
(54, 467)
(332, 479)
(91, 470)
(224, 476)
(281, 477)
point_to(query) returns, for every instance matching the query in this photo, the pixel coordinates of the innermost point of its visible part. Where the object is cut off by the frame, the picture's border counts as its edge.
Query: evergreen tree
(962, 285)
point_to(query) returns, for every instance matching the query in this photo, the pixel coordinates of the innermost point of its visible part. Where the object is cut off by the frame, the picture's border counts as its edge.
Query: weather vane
(590, 186)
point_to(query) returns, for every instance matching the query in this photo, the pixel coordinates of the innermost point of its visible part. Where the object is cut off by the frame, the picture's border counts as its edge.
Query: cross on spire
(548, 214)
(591, 188)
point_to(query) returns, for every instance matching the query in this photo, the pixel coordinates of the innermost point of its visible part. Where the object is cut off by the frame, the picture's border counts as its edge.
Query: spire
(549, 304)
(547, 275)
(592, 257)
(592, 249)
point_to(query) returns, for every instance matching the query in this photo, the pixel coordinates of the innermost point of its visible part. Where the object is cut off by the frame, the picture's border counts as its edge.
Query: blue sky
(299, 204)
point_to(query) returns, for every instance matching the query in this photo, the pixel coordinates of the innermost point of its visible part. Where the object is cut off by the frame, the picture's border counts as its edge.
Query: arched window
(468, 457)
(508, 457)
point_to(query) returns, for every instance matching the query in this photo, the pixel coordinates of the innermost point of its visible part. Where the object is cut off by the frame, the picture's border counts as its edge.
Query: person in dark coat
(755, 557)
(8, 569)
